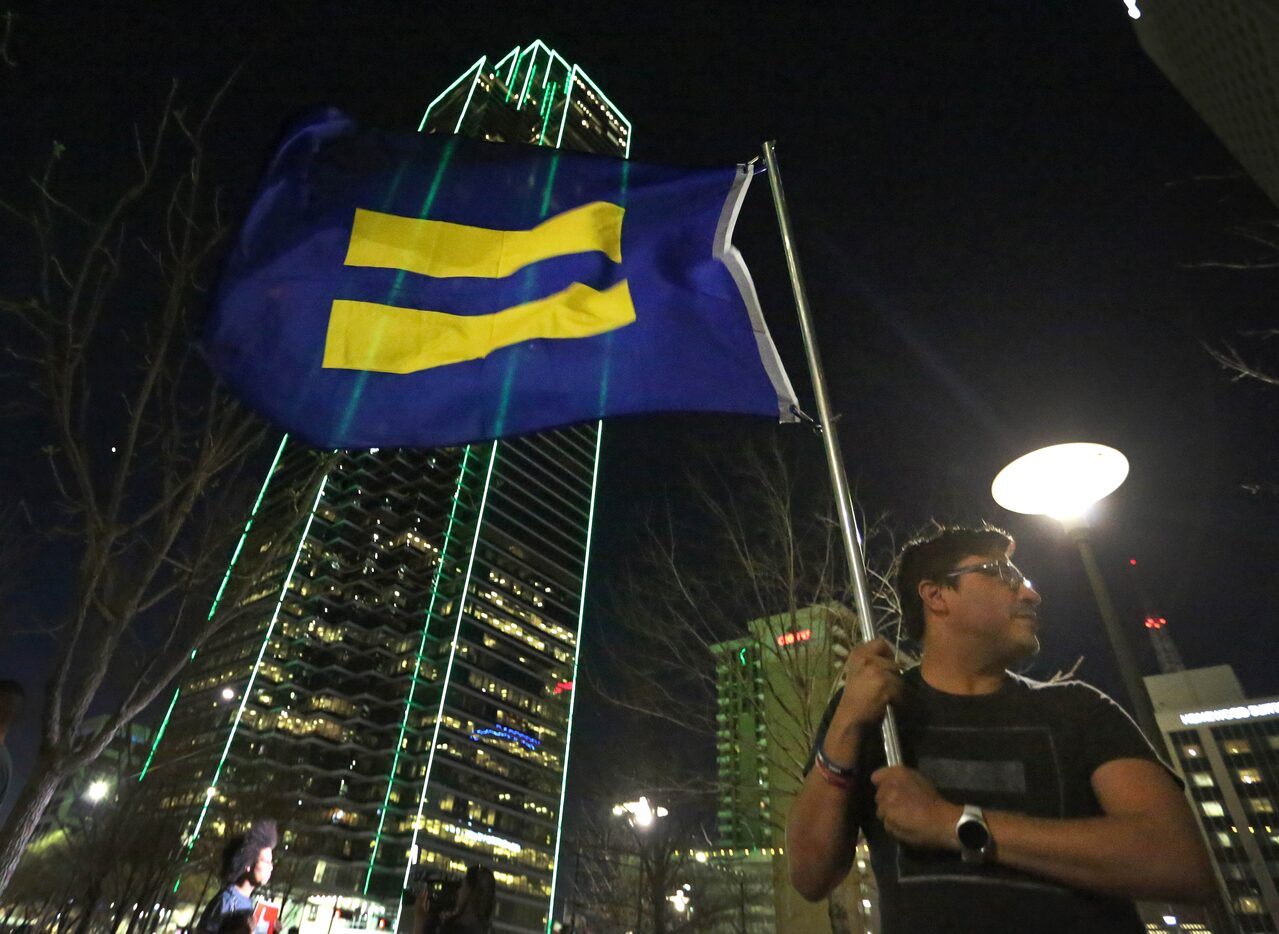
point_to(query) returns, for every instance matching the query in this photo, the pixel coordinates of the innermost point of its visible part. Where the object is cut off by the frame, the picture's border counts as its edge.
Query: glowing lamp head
(641, 814)
(96, 791)
(1060, 481)
(228, 693)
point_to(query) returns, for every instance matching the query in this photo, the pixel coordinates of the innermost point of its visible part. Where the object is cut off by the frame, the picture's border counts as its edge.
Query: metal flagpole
(838, 478)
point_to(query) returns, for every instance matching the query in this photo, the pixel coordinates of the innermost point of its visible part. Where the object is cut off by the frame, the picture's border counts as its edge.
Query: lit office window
(1249, 905)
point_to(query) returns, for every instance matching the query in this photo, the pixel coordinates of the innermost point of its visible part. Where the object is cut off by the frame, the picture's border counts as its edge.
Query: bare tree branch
(149, 461)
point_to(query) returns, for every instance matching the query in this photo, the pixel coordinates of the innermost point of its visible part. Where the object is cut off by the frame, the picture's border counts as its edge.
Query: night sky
(997, 206)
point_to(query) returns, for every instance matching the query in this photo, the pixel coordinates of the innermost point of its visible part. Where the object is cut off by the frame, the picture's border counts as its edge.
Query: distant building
(78, 798)
(1223, 56)
(1227, 748)
(400, 693)
(772, 687)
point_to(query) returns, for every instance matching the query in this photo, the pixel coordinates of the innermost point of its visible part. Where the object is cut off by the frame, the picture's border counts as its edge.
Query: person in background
(473, 913)
(246, 864)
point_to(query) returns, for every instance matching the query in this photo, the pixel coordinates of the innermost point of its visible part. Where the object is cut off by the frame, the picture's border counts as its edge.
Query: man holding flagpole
(1020, 805)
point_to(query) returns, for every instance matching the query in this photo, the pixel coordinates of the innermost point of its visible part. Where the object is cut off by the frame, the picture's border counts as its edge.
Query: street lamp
(96, 791)
(641, 816)
(640, 813)
(1063, 481)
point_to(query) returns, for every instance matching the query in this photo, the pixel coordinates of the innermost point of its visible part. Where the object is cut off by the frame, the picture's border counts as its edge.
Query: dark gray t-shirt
(1030, 747)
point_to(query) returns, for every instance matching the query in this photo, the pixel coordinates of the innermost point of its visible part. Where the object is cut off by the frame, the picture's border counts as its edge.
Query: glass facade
(1232, 780)
(401, 691)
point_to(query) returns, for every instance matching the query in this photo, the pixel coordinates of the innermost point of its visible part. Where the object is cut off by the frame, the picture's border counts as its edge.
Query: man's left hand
(913, 811)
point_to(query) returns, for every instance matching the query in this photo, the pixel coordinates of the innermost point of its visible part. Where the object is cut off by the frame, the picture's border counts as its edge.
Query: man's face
(992, 605)
(261, 870)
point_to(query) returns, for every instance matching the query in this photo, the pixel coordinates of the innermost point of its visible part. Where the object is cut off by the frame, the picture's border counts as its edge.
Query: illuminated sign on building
(790, 638)
(505, 732)
(1226, 714)
(562, 687)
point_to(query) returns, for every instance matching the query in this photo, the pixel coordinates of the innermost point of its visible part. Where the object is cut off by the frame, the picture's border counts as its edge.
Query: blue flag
(408, 290)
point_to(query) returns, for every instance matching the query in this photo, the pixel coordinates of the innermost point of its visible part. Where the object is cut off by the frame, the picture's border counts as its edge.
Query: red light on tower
(1132, 561)
(790, 638)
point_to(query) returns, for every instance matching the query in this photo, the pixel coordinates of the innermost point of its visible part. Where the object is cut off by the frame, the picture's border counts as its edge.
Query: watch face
(973, 834)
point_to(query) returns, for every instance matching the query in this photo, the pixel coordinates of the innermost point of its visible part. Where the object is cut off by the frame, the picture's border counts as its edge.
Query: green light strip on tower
(248, 688)
(554, 56)
(568, 101)
(532, 70)
(515, 70)
(497, 68)
(547, 108)
(217, 598)
(463, 596)
(577, 652)
(537, 44)
(462, 77)
(426, 625)
(467, 106)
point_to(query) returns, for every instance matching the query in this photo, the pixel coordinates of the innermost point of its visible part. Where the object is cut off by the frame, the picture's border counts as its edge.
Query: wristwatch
(976, 845)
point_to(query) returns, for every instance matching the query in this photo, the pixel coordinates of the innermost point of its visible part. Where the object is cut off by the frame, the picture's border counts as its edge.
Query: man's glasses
(1004, 570)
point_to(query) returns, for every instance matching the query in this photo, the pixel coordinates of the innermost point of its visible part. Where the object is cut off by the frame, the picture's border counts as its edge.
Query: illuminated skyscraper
(404, 694)
(1223, 56)
(773, 686)
(1227, 748)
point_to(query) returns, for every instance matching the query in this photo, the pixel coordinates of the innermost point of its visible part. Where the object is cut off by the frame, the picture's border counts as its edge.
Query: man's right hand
(872, 681)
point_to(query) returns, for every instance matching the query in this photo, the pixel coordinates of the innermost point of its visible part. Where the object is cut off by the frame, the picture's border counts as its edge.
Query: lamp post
(640, 816)
(1063, 481)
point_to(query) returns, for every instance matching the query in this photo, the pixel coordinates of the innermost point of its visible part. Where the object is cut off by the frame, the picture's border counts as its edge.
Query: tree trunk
(27, 811)
(90, 906)
(117, 917)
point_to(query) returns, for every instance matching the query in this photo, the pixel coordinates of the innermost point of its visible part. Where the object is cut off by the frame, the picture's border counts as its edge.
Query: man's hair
(242, 850)
(930, 558)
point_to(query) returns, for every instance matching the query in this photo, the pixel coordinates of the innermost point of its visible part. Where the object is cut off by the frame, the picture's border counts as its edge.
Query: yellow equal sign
(389, 339)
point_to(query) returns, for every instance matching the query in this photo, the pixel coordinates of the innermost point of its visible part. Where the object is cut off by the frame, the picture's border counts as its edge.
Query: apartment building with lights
(1226, 747)
(772, 687)
(401, 692)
